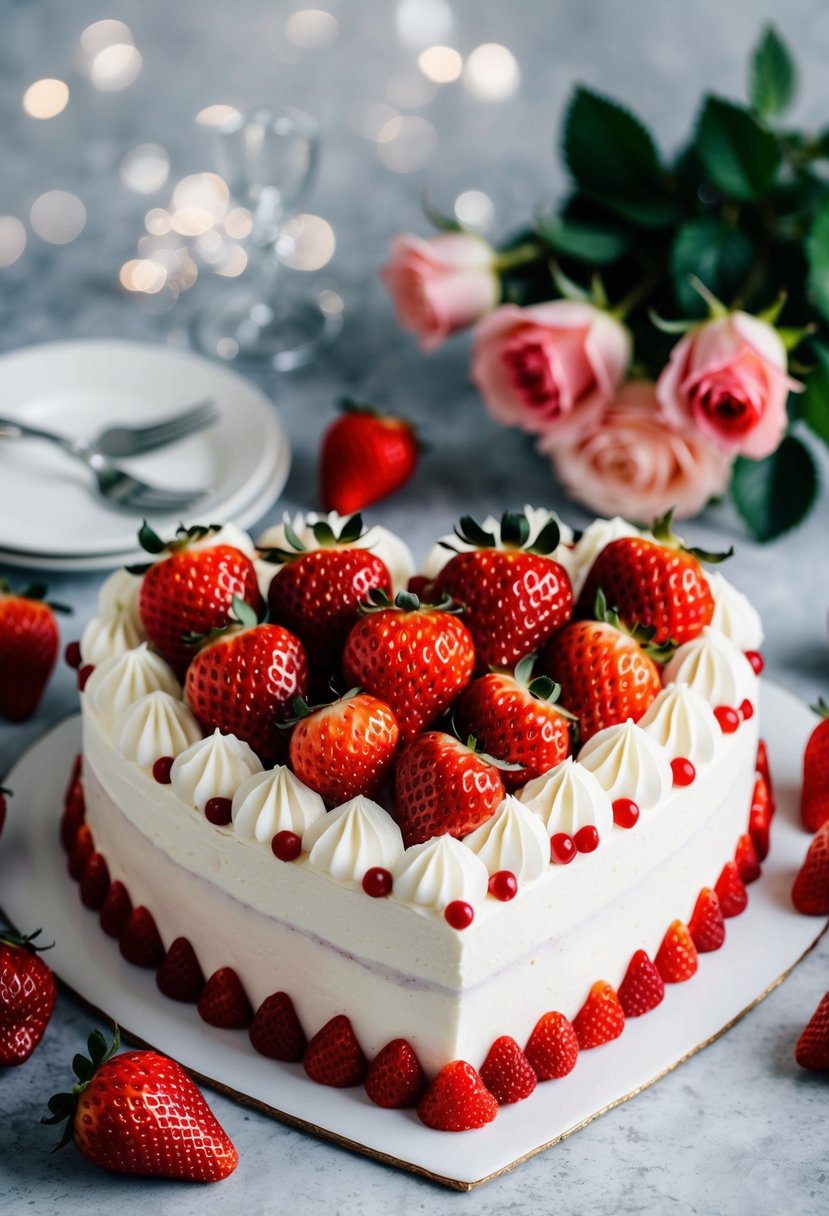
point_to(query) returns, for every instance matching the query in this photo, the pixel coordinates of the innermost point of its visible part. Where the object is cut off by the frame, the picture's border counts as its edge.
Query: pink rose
(441, 284)
(728, 379)
(632, 464)
(550, 365)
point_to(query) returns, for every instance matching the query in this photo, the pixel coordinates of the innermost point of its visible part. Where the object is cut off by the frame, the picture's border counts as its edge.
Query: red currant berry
(72, 655)
(217, 810)
(161, 769)
(756, 660)
(746, 710)
(586, 838)
(503, 885)
(562, 848)
(83, 675)
(459, 914)
(377, 882)
(728, 719)
(625, 813)
(287, 846)
(683, 771)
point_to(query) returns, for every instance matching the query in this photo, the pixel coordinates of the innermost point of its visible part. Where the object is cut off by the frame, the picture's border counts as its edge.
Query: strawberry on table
(444, 786)
(345, 748)
(139, 1113)
(810, 893)
(365, 456)
(317, 592)
(457, 1100)
(246, 680)
(190, 589)
(812, 1049)
(814, 798)
(655, 583)
(29, 642)
(416, 657)
(27, 996)
(514, 596)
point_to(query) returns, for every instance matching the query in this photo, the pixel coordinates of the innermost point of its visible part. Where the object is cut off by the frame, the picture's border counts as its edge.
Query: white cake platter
(761, 947)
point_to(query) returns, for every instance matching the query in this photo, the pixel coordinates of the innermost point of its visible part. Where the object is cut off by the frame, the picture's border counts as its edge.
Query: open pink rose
(549, 366)
(441, 284)
(633, 464)
(728, 379)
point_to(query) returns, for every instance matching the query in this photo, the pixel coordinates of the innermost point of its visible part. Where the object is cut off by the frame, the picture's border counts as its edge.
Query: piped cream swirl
(106, 637)
(683, 722)
(440, 870)
(156, 725)
(118, 682)
(733, 615)
(274, 801)
(214, 767)
(351, 839)
(512, 839)
(567, 798)
(715, 668)
(628, 763)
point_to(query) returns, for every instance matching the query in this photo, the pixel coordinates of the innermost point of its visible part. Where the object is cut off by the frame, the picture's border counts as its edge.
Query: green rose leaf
(774, 494)
(739, 155)
(814, 404)
(817, 254)
(595, 243)
(772, 76)
(719, 254)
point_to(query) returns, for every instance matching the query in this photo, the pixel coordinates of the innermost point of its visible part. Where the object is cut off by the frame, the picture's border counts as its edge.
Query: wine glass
(268, 159)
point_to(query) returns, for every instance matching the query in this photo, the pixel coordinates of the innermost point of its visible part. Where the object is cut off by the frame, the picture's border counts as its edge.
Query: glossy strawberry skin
(416, 661)
(334, 1057)
(365, 457)
(276, 1031)
(29, 643)
(244, 683)
(676, 958)
(605, 676)
(810, 893)
(223, 1001)
(346, 748)
(706, 925)
(192, 592)
(395, 1079)
(513, 601)
(317, 596)
(601, 1017)
(457, 1100)
(441, 786)
(650, 584)
(552, 1048)
(812, 1049)
(27, 998)
(511, 724)
(180, 976)
(731, 891)
(507, 1073)
(141, 1114)
(814, 798)
(642, 988)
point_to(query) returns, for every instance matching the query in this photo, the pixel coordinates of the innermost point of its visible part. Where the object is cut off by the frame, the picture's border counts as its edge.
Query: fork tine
(179, 424)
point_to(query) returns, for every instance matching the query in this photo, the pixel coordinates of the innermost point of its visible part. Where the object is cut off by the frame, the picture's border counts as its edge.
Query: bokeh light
(115, 67)
(216, 115)
(239, 223)
(145, 168)
(98, 37)
(143, 274)
(422, 22)
(311, 29)
(306, 242)
(12, 239)
(476, 210)
(491, 72)
(442, 64)
(46, 98)
(57, 217)
(157, 221)
(199, 201)
(406, 144)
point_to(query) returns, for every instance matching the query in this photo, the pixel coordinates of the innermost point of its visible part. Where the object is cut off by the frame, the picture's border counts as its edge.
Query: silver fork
(135, 440)
(117, 486)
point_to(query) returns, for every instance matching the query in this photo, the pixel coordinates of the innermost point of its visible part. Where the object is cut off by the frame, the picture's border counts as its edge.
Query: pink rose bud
(727, 378)
(550, 366)
(441, 284)
(633, 464)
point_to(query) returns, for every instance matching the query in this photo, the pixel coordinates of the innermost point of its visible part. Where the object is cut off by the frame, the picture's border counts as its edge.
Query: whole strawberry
(365, 456)
(443, 786)
(655, 583)
(139, 1113)
(345, 748)
(416, 657)
(814, 796)
(190, 591)
(246, 681)
(27, 997)
(606, 676)
(316, 593)
(515, 718)
(29, 643)
(514, 596)
(812, 1050)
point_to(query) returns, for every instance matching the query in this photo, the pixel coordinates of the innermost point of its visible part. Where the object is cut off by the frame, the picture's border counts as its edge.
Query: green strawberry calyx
(821, 708)
(151, 542)
(662, 532)
(9, 937)
(62, 1106)
(302, 708)
(542, 688)
(643, 635)
(407, 601)
(470, 744)
(36, 592)
(513, 533)
(324, 535)
(243, 617)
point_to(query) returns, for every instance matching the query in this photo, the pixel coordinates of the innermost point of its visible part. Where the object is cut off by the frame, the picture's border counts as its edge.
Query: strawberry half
(643, 988)
(553, 1047)
(706, 926)
(507, 1073)
(746, 859)
(759, 818)
(812, 1049)
(29, 643)
(601, 1017)
(139, 1113)
(676, 958)
(224, 1002)
(27, 996)
(810, 893)
(731, 890)
(345, 748)
(514, 596)
(94, 882)
(365, 456)
(395, 1078)
(334, 1057)
(416, 657)
(115, 910)
(276, 1031)
(814, 797)
(139, 942)
(457, 1100)
(180, 976)
(442, 785)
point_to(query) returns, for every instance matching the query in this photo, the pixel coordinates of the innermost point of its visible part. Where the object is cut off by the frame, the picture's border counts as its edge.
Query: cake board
(762, 946)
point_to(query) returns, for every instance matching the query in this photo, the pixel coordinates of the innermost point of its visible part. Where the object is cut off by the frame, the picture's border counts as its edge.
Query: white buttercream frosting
(351, 839)
(733, 615)
(388, 546)
(274, 801)
(158, 724)
(715, 668)
(567, 798)
(628, 763)
(118, 682)
(593, 539)
(214, 767)
(537, 518)
(106, 637)
(440, 870)
(512, 839)
(683, 722)
(120, 593)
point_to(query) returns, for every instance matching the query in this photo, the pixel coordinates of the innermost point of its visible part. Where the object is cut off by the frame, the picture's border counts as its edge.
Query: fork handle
(74, 447)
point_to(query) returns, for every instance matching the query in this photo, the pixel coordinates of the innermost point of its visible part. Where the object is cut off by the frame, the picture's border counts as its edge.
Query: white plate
(48, 508)
(761, 947)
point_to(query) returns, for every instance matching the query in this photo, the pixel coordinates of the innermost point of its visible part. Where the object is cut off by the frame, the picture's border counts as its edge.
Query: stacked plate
(51, 515)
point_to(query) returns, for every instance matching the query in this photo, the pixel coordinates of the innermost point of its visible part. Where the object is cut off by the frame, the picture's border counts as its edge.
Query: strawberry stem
(62, 1106)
